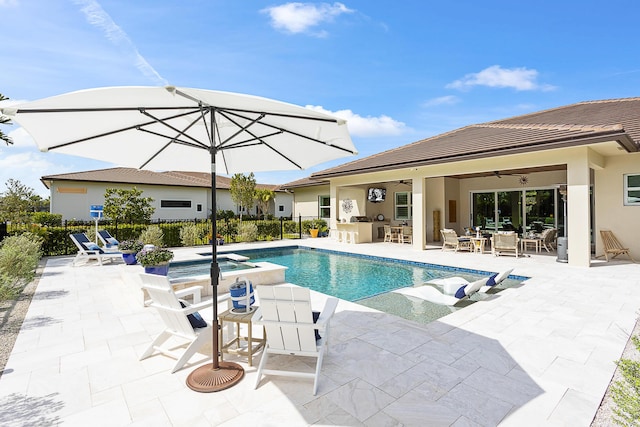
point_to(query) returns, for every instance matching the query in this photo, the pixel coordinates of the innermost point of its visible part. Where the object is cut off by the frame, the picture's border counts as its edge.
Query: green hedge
(56, 239)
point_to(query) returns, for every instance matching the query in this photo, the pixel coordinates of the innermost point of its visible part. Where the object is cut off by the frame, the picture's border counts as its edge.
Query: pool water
(366, 280)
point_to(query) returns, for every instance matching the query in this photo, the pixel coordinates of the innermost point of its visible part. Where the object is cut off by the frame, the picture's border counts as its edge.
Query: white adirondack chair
(285, 311)
(176, 322)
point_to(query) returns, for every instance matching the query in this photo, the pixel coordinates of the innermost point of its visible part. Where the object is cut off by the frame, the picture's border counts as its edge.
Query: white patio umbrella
(170, 128)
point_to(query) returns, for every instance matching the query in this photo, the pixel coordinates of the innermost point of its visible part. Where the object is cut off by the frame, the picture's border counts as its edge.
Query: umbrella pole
(217, 375)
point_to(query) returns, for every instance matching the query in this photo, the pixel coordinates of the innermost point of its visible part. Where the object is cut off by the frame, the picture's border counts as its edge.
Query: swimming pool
(363, 279)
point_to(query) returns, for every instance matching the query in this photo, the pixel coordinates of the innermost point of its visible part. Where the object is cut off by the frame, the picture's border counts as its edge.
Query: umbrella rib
(113, 132)
(328, 144)
(241, 128)
(179, 132)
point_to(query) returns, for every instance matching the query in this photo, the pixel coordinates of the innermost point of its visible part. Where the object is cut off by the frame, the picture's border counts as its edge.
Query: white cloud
(301, 17)
(97, 17)
(26, 166)
(443, 100)
(496, 76)
(366, 126)
(21, 138)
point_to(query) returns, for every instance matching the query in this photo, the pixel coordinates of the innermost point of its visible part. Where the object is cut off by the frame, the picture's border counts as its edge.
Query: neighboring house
(176, 195)
(510, 174)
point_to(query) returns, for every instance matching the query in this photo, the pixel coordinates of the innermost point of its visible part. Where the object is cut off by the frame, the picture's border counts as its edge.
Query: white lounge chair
(434, 295)
(452, 284)
(285, 312)
(109, 243)
(89, 250)
(181, 320)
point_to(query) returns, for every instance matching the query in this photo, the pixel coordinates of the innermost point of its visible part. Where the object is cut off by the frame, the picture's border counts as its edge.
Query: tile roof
(576, 124)
(303, 182)
(139, 176)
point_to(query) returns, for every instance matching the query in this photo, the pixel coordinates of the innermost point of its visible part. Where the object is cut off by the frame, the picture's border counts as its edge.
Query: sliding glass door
(540, 210)
(510, 211)
(484, 210)
(519, 210)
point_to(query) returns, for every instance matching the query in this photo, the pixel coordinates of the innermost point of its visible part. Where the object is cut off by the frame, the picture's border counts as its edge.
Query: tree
(127, 205)
(18, 202)
(4, 121)
(242, 191)
(264, 196)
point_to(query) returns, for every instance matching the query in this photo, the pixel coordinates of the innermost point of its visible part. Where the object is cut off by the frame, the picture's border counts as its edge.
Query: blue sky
(398, 71)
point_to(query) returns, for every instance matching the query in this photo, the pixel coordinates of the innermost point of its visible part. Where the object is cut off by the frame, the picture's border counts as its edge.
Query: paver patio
(539, 354)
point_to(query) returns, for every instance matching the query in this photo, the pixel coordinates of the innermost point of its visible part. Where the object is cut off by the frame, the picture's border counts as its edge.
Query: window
(403, 205)
(175, 203)
(632, 190)
(199, 207)
(280, 208)
(324, 208)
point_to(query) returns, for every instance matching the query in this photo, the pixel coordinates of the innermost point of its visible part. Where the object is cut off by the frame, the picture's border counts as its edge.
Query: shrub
(153, 235)
(626, 393)
(47, 219)
(290, 227)
(19, 257)
(190, 235)
(313, 223)
(247, 232)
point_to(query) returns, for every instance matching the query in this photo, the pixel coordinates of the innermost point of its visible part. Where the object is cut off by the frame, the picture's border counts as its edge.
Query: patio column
(419, 213)
(333, 205)
(578, 208)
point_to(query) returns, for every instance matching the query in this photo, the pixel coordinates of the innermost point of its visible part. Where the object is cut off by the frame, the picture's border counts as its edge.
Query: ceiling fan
(523, 179)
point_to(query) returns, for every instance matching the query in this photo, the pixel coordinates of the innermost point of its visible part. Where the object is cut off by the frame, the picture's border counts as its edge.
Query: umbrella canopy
(169, 128)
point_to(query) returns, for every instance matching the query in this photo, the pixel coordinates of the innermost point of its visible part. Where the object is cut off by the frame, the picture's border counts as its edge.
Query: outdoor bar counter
(363, 232)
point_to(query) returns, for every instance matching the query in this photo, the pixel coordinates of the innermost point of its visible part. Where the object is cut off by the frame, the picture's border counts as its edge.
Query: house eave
(620, 137)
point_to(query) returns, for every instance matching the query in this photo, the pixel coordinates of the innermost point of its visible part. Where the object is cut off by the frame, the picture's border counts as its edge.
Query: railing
(57, 241)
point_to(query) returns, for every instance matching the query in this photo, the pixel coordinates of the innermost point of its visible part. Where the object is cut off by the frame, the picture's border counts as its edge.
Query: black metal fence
(57, 242)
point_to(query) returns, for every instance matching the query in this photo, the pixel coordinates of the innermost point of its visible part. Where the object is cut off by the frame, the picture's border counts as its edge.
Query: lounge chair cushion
(492, 280)
(460, 292)
(195, 318)
(316, 315)
(93, 247)
(112, 241)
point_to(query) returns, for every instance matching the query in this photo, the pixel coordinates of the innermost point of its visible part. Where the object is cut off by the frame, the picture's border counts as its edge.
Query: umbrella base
(206, 379)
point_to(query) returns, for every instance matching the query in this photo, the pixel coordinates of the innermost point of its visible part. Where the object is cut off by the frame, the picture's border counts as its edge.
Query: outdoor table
(525, 241)
(478, 243)
(253, 344)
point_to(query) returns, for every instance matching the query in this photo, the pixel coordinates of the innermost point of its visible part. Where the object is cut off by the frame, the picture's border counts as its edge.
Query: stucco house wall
(72, 199)
(610, 211)
(305, 200)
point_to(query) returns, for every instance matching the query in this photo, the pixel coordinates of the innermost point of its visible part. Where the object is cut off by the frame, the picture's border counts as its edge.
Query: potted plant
(155, 260)
(316, 225)
(219, 239)
(129, 249)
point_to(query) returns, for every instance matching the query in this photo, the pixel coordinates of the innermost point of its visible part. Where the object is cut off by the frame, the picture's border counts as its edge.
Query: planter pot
(129, 258)
(161, 270)
(314, 232)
